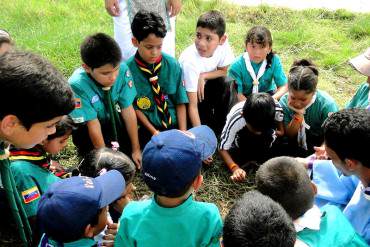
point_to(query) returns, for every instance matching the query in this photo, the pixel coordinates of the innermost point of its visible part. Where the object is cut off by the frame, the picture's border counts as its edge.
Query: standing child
(74, 210)
(161, 95)
(305, 109)
(256, 220)
(259, 69)
(172, 161)
(6, 42)
(32, 114)
(204, 66)
(104, 92)
(31, 169)
(286, 181)
(361, 99)
(250, 130)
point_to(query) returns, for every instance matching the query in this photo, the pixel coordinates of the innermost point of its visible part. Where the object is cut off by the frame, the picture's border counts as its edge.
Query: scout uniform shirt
(361, 99)
(31, 176)
(83, 242)
(171, 86)
(272, 78)
(89, 101)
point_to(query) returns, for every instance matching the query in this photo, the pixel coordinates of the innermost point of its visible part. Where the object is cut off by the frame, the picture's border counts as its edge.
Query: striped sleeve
(234, 123)
(279, 113)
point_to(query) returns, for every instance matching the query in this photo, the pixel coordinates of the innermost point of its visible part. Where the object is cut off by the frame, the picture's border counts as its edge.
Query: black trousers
(219, 96)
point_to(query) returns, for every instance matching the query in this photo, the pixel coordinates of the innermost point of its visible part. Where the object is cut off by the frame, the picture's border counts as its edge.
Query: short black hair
(64, 126)
(303, 75)
(256, 220)
(106, 158)
(32, 89)
(146, 23)
(347, 133)
(286, 181)
(259, 111)
(100, 49)
(214, 21)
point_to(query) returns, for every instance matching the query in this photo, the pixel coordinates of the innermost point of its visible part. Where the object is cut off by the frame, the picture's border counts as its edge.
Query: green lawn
(55, 29)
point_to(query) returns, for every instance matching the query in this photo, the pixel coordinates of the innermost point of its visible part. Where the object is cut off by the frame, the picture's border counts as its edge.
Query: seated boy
(39, 96)
(345, 180)
(31, 169)
(362, 64)
(172, 161)
(204, 65)
(161, 95)
(74, 210)
(250, 130)
(256, 220)
(286, 181)
(104, 92)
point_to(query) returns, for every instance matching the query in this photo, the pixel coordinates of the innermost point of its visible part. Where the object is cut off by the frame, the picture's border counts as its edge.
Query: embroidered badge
(130, 83)
(94, 99)
(166, 97)
(30, 195)
(128, 74)
(78, 103)
(78, 119)
(143, 103)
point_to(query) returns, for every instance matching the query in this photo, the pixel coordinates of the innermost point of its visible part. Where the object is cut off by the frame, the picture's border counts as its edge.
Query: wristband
(233, 167)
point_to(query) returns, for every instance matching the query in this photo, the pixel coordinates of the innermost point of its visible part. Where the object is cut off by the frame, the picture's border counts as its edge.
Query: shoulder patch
(95, 99)
(30, 195)
(78, 119)
(78, 103)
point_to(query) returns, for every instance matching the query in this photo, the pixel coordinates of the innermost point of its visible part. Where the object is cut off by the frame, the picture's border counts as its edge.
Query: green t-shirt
(273, 77)
(191, 224)
(83, 242)
(361, 97)
(335, 230)
(171, 86)
(89, 103)
(32, 181)
(315, 114)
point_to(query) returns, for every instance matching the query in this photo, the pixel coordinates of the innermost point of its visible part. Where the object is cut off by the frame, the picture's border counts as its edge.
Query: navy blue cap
(172, 159)
(69, 205)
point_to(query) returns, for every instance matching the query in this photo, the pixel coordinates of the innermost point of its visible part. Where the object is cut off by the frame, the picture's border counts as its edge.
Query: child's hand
(238, 175)
(320, 153)
(208, 161)
(136, 157)
(110, 235)
(174, 7)
(112, 7)
(201, 84)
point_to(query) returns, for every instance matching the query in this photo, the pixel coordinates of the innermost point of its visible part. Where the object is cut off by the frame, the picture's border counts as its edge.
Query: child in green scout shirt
(161, 95)
(286, 181)
(34, 96)
(362, 97)
(172, 161)
(104, 92)
(74, 210)
(305, 109)
(259, 69)
(31, 168)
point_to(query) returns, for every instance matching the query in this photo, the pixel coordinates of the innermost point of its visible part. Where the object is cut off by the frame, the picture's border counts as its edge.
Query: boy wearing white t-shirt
(205, 65)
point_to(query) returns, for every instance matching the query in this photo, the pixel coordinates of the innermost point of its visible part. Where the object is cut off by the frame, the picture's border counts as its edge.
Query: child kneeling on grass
(74, 210)
(172, 161)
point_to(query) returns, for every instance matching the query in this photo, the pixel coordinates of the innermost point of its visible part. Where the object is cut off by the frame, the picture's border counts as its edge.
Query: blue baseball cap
(172, 159)
(69, 205)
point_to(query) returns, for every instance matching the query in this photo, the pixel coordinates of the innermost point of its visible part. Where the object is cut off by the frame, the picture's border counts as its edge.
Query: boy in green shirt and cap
(161, 95)
(104, 92)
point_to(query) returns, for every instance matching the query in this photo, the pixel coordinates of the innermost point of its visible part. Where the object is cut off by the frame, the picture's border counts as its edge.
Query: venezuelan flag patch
(31, 194)
(78, 103)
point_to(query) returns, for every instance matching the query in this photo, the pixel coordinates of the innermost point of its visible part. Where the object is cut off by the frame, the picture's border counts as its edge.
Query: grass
(55, 29)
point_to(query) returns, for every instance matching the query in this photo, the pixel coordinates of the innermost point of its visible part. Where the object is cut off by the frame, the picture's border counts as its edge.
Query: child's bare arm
(129, 116)
(193, 109)
(280, 91)
(238, 174)
(95, 133)
(181, 116)
(145, 122)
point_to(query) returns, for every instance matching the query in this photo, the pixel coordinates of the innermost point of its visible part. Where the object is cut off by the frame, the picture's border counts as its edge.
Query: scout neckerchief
(151, 71)
(114, 117)
(36, 156)
(301, 137)
(250, 69)
(311, 219)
